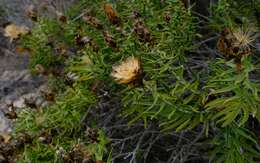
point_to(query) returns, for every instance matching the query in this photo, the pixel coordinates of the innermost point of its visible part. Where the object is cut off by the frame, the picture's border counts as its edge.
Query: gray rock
(16, 82)
(5, 125)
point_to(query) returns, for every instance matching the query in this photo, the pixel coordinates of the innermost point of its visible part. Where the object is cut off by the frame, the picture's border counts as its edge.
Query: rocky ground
(16, 82)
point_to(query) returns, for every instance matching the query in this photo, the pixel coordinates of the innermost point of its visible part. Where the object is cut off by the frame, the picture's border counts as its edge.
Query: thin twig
(79, 16)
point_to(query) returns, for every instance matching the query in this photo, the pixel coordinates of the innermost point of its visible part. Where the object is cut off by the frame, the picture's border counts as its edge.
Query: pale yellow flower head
(128, 71)
(14, 31)
(243, 37)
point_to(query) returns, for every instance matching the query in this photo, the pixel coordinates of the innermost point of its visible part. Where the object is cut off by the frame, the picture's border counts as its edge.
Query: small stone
(60, 152)
(42, 139)
(5, 126)
(20, 103)
(45, 104)
(39, 101)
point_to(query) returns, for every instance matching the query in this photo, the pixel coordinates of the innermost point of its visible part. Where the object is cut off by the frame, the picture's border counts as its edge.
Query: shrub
(141, 61)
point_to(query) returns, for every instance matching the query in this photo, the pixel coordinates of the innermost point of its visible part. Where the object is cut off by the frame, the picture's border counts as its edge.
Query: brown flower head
(112, 14)
(234, 44)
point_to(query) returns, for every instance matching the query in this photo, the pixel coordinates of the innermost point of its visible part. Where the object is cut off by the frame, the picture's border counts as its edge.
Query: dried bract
(79, 153)
(235, 43)
(86, 40)
(142, 32)
(91, 20)
(109, 39)
(61, 17)
(167, 16)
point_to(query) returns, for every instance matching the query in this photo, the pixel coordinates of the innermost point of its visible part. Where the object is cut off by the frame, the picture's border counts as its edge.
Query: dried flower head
(40, 69)
(14, 31)
(136, 15)
(224, 41)
(129, 71)
(86, 40)
(109, 39)
(31, 12)
(92, 134)
(61, 17)
(10, 113)
(91, 20)
(142, 32)
(83, 40)
(235, 43)
(243, 38)
(112, 14)
(167, 16)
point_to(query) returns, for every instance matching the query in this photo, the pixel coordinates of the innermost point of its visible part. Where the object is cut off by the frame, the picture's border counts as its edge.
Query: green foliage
(158, 98)
(39, 42)
(57, 84)
(64, 120)
(176, 108)
(234, 144)
(220, 15)
(99, 149)
(170, 94)
(228, 13)
(237, 96)
(66, 114)
(38, 152)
